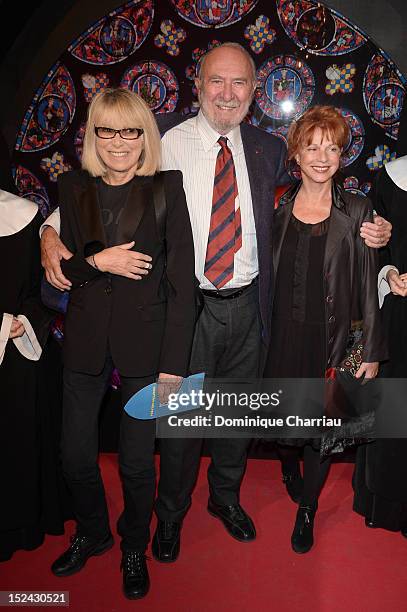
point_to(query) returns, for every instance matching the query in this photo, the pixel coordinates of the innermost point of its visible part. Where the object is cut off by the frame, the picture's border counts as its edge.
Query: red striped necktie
(225, 232)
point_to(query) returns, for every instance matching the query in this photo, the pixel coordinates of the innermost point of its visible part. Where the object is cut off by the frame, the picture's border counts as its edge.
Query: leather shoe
(404, 531)
(369, 523)
(166, 541)
(302, 537)
(75, 557)
(136, 581)
(237, 522)
(294, 484)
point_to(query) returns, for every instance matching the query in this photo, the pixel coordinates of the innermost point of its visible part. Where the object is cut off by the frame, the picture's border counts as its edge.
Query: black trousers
(227, 344)
(82, 398)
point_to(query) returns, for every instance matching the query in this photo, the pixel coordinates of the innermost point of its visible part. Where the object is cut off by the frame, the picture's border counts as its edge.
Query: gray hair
(228, 45)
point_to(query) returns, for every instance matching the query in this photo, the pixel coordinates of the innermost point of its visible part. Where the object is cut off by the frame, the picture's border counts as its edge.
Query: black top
(112, 200)
(298, 324)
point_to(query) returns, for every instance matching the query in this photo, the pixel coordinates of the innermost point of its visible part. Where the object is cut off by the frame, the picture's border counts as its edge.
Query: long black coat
(350, 273)
(33, 491)
(380, 479)
(148, 324)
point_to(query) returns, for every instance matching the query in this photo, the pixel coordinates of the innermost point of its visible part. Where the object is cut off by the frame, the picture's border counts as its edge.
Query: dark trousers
(82, 398)
(227, 344)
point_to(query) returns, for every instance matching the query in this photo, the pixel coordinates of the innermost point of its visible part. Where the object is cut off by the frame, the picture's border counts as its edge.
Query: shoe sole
(243, 541)
(95, 554)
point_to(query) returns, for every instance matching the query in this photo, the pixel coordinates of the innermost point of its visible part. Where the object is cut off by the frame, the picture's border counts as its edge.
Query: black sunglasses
(125, 133)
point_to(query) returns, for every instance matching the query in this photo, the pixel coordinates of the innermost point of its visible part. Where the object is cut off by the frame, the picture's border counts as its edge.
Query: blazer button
(329, 299)
(331, 319)
(108, 290)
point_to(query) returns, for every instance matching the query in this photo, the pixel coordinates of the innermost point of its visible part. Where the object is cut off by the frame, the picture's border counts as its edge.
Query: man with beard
(230, 171)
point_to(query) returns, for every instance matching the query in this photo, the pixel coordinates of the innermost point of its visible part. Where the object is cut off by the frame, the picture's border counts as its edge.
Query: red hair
(327, 118)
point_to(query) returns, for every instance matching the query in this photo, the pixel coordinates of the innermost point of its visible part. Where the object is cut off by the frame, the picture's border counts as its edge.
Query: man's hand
(376, 234)
(370, 370)
(397, 282)
(120, 260)
(17, 329)
(52, 251)
(167, 384)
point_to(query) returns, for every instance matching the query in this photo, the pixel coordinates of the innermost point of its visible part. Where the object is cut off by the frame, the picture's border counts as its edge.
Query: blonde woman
(142, 328)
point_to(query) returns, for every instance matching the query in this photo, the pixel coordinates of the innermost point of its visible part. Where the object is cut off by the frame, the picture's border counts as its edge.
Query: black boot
(294, 485)
(136, 581)
(302, 537)
(166, 541)
(75, 557)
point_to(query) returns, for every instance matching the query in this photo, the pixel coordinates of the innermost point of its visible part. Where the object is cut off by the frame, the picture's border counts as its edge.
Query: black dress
(32, 490)
(380, 479)
(298, 334)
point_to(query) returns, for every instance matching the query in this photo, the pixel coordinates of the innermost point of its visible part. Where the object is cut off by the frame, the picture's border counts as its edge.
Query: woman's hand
(370, 370)
(167, 384)
(17, 329)
(397, 282)
(122, 261)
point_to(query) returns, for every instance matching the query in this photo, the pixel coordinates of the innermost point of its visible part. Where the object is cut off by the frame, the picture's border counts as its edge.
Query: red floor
(350, 569)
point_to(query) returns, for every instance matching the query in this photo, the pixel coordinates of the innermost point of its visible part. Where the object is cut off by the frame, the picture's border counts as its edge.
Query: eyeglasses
(125, 133)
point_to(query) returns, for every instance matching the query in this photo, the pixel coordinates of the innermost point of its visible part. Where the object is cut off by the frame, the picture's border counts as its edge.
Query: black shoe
(294, 485)
(237, 522)
(136, 581)
(404, 531)
(302, 537)
(166, 541)
(81, 548)
(369, 523)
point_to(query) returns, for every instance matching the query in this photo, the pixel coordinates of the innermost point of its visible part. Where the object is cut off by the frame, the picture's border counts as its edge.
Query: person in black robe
(31, 487)
(380, 478)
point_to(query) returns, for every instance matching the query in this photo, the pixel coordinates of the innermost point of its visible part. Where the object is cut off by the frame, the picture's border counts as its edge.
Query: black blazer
(265, 157)
(147, 325)
(350, 273)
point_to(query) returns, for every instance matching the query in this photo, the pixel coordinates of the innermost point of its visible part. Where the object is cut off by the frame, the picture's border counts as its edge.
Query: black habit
(32, 487)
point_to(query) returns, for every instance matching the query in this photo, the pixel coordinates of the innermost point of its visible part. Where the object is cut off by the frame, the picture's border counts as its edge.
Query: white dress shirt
(193, 147)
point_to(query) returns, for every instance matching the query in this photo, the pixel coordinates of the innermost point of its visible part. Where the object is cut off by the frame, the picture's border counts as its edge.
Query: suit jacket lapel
(253, 152)
(90, 220)
(139, 196)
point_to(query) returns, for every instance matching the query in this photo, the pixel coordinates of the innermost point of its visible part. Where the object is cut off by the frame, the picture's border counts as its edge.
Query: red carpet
(351, 568)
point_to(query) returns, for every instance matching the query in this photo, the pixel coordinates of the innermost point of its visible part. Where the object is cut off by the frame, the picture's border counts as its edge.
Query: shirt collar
(210, 137)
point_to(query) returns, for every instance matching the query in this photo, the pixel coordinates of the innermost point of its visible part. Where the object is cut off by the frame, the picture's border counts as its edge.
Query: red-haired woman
(322, 269)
